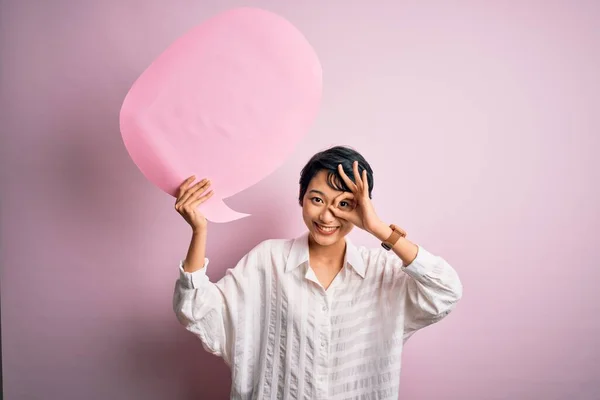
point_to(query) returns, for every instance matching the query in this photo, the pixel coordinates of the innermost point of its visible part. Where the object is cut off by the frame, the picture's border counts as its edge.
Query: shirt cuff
(193, 280)
(425, 264)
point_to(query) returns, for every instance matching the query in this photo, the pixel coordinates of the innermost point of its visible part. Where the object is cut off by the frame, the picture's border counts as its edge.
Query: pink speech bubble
(228, 101)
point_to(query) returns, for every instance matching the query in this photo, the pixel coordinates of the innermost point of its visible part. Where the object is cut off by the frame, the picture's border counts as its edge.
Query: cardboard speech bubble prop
(227, 101)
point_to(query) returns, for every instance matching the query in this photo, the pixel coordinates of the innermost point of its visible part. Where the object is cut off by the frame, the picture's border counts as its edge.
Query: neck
(332, 254)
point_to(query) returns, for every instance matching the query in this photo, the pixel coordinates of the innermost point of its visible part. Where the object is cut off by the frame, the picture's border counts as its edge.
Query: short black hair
(328, 160)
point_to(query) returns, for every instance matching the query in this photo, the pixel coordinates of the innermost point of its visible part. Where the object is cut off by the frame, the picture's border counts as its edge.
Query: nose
(327, 216)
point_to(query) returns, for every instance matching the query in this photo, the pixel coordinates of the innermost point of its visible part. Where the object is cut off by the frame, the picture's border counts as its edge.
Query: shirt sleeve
(209, 310)
(431, 290)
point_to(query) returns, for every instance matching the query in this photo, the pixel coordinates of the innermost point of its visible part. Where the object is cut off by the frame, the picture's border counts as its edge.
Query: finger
(342, 196)
(194, 198)
(345, 215)
(345, 178)
(346, 196)
(200, 195)
(189, 193)
(202, 199)
(185, 187)
(336, 212)
(185, 184)
(365, 183)
(357, 178)
(198, 188)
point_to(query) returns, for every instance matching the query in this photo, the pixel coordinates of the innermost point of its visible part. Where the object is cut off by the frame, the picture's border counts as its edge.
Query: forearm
(404, 248)
(197, 252)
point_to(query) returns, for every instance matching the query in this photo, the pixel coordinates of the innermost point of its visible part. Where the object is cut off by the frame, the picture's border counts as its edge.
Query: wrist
(381, 231)
(199, 231)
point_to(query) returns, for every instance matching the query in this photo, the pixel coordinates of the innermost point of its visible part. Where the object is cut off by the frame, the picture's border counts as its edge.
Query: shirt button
(325, 308)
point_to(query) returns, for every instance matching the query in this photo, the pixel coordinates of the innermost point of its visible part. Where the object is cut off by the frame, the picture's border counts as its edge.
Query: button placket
(324, 343)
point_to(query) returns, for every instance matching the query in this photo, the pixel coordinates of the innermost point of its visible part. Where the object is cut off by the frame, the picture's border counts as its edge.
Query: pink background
(480, 120)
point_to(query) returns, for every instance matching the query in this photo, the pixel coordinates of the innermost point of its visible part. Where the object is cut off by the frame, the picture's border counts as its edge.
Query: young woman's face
(325, 228)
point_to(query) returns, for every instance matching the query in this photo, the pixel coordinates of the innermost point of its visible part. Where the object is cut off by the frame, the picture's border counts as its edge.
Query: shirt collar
(299, 255)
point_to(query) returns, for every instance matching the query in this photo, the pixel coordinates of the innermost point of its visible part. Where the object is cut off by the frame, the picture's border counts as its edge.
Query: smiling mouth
(326, 230)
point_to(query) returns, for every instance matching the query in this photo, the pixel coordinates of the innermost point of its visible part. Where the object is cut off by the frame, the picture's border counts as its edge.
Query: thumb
(338, 213)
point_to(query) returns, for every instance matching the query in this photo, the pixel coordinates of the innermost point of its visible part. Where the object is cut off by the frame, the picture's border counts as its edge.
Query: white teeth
(327, 229)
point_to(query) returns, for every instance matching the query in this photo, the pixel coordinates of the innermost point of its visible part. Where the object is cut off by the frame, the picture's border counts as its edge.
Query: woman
(315, 317)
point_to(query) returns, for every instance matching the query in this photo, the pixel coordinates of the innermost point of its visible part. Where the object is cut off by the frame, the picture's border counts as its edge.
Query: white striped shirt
(285, 337)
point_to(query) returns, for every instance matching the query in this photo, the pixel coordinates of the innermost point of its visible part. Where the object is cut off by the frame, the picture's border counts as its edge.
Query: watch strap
(397, 233)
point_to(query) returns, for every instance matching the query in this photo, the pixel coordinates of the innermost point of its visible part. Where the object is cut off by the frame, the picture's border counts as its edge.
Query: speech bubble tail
(215, 210)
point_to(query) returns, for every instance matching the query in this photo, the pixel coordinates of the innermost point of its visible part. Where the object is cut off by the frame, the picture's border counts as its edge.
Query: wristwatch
(397, 233)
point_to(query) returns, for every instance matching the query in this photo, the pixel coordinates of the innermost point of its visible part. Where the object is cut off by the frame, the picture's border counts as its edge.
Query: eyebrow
(317, 191)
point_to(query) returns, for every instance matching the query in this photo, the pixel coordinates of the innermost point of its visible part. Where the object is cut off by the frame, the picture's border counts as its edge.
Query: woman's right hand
(189, 199)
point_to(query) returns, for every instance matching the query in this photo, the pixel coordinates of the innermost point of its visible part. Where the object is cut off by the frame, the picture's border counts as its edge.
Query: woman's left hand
(362, 214)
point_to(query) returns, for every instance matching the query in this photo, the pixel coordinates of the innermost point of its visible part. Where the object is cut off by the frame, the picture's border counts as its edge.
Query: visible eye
(345, 204)
(316, 199)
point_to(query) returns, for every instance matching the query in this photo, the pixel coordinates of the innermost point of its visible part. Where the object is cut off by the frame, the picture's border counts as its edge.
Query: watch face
(386, 246)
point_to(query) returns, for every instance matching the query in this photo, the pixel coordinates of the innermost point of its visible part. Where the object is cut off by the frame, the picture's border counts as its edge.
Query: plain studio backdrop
(480, 119)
